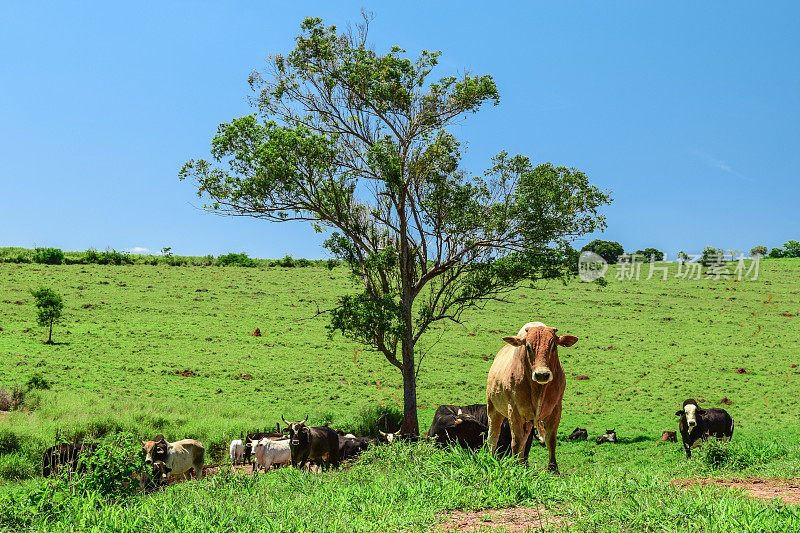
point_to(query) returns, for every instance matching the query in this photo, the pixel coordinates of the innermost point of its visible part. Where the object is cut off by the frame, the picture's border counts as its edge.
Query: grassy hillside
(152, 349)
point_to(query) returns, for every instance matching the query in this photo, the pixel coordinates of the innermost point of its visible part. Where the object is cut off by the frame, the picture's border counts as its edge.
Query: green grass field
(158, 349)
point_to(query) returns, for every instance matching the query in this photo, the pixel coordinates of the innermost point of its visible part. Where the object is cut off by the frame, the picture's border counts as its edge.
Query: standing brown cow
(526, 385)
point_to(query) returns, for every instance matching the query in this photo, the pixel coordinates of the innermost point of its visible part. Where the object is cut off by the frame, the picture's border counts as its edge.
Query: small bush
(37, 381)
(9, 442)
(48, 256)
(111, 468)
(233, 259)
(330, 264)
(364, 423)
(608, 250)
(741, 455)
(287, 261)
(16, 467)
(758, 250)
(13, 399)
(776, 253)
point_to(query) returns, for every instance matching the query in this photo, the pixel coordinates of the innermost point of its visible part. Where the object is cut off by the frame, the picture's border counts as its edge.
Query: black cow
(579, 434)
(468, 426)
(257, 436)
(697, 424)
(66, 454)
(610, 436)
(351, 447)
(312, 444)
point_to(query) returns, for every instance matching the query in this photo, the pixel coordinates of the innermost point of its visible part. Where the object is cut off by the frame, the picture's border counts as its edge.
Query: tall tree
(361, 143)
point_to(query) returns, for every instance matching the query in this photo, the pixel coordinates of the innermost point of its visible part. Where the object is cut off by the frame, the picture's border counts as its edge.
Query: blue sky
(689, 112)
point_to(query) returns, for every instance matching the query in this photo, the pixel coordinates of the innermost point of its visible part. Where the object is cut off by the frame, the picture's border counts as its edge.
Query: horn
(278, 427)
(306, 420)
(459, 412)
(382, 434)
(284, 420)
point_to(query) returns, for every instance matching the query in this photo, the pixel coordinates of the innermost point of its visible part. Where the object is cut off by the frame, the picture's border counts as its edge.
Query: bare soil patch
(510, 518)
(787, 489)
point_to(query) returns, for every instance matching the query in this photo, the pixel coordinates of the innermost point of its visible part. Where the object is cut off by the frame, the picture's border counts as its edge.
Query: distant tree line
(56, 256)
(612, 252)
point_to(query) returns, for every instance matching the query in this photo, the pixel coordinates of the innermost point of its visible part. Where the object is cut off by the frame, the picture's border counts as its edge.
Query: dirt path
(787, 489)
(510, 519)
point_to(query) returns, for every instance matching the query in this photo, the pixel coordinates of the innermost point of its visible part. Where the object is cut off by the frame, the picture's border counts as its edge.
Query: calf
(236, 451)
(669, 436)
(312, 444)
(179, 457)
(610, 436)
(161, 471)
(270, 452)
(696, 425)
(66, 454)
(579, 434)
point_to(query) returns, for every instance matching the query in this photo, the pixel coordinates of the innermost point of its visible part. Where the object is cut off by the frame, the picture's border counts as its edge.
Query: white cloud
(718, 163)
(138, 250)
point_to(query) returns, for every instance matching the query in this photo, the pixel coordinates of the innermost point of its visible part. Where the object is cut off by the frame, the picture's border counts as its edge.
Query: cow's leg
(495, 421)
(526, 446)
(518, 433)
(551, 432)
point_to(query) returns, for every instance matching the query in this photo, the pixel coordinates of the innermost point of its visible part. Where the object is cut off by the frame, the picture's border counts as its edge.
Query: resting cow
(610, 436)
(312, 444)
(526, 385)
(66, 454)
(669, 436)
(351, 446)
(468, 427)
(697, 424)
(179, 457)
(579, 434)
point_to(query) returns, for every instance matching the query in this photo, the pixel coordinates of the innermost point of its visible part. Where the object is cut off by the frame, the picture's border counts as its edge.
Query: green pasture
(168, 349)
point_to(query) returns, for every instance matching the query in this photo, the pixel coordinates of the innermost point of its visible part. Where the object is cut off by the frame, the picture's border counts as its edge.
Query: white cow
(178, 457)
(236, 451)
(271, 452)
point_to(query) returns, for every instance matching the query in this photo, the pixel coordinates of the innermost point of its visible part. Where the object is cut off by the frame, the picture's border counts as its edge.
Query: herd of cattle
(525, 388)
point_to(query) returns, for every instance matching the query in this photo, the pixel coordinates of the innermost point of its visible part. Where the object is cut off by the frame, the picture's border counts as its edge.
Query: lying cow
(268, 452)
(610, 436)
(468, 427)
(579, 434)
(66, 454)
(697, 424)
(236, 451)
(669, 436)
(526, 386)
(312, 444)
(351, 446)
(179, 457)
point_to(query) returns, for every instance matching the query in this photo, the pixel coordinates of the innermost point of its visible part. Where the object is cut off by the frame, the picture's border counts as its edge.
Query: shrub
(758, 250)
(791, 249)
(776, 253)
(37, 381)
(17, 467)
(13, 399)
(608, 250)
(657, 255)
(683, 256)
(330, 264)
(91, 256)
(740, 455)
(9, 442)
(364, 423)
(111, 468)
(233, 259)
(287, 261)
(48, 256)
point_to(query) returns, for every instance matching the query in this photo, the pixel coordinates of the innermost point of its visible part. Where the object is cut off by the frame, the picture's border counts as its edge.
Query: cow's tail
(732, 424)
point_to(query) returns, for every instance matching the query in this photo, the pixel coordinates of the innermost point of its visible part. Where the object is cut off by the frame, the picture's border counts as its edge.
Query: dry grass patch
(509, 519)
(787, 489)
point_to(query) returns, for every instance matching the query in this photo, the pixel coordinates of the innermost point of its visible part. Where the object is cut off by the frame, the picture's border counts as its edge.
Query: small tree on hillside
(48, 309)
(647, 253)
(608, 250)
(361, 143)
(758, 250)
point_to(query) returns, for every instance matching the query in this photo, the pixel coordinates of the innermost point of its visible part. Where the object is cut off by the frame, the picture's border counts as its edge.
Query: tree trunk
(50, 335)
(410, 422)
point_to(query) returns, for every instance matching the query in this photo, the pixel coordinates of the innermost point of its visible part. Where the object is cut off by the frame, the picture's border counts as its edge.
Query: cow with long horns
(312, 444)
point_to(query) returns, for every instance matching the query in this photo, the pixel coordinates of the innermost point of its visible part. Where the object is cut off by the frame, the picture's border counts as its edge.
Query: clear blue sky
(689, 112)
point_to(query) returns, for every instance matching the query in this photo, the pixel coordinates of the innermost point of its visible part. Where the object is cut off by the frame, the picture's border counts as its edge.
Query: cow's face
(298, 433)
(155, 450)
(691, 415)
(541, 344)
(390, 437)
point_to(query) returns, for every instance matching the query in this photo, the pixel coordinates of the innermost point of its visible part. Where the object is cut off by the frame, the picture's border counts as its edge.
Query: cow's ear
(567, 340)
(679, 413)
(514, 341)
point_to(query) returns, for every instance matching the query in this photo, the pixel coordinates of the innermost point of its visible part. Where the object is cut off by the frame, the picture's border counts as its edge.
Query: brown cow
(526, 385)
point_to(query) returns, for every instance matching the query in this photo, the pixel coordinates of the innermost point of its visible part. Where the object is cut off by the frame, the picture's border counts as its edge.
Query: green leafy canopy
(361, 143)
